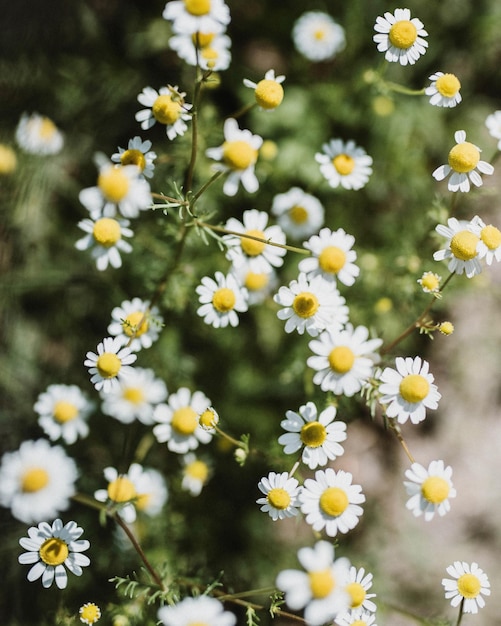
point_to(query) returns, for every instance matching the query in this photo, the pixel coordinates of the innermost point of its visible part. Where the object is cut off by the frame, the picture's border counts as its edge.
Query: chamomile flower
(468, 584)
(311, 305)
(461, 249)
(320, 589)
(190, 611)
(211, 51)
(63, 412)
(330, 501)
(135, 397)
(408, 390)
(298, 213)
(400, 37)
(489, 246)
(358, 585)
(357, 617)
(37, 134)
(111, 362)
(152, 492)
(317, 36)
(344, 164)
(281, 495)
(221, 299)
(177, 421)
(105, 240)
(51, 548)
(138, 153)
(8, 160)
(259, 285)
(136, 323)
(430, 489)
(192, 16)
(430, 282)
(196, 473)
(465, 164)
(318, 435)
(343, 360)
(446, 328)
(237, 155)
(332, 257)
(493, 124)
(268, 92)
(89, 613)
(444, 90)
(165, 106)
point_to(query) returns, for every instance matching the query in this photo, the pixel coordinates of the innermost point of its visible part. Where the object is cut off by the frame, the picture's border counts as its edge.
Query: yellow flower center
(332, 259)
(165, 110)
(430, 281)
(464, 157)
(344, 164)
(359, 622)
(197, 7)
(341, 359)
(134, 395)
(64, 411)
(185, 421)
(322, 583)
(334, 501)
(357, 594)
(268, 150)
(298, 214)
(202, 40)
(135, 324)
(279, 498)
(414, 388)
(255, 282)
(106, 232)
(313, 434)
(464, 245)
(305, 304)
(403, 34)
(469, 586)
(269, 94)
(108, 365)
(114, 184)
(251, 247)
(142, 500)
(435, 489)
(491, 236)
(210, 55)
(54, 551)
(8, 159)
(224, 300)
(121, 490)
(198, 470)
(198, 624)
(446, 328)
(47, 128)
(34, 479)
(90, 613)
(133, 157)
(208, 419)
(448, 85)
(319, 34)
(239, 154)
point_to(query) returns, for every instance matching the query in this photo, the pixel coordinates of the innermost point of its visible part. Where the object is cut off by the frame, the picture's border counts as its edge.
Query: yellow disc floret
(165, 110)
(343, 164)
(332, 259)
(446, 328)
(239, 154)
(47, 128)
(198, 7)
(269, 94)
(430, 282)
(34, 479)
(464, 245)
(135, 324)
(357, 594)
(435, 489)
(113, 183)
(255, 282)
(334, 501)
(134, 395)
(279, 498)
(202, 40)
(198, 470)
(252, 247)
(208, 419)
(491, 236)
(64, 411)
(106, 232)
(341, 359)
(185, 421)
(133, 157)
(224, 300)
(464, 157)
(90, 613)
(448, 85)
(313, 434)
(469, 586)
(54, 551)
(305, 304)
(322, 583)
(414, 388)
(121, 490)
(108, 365)
(298, 214)
(403, 34)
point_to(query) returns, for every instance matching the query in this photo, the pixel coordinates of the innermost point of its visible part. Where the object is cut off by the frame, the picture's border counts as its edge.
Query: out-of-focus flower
(281, 495)
(165, 106)
(317, 36)
(37, 134)
(136, 323)
(332, 257)
(63, 412)
(111, 362)
(344, 164)
(197, 16)
(298, 213)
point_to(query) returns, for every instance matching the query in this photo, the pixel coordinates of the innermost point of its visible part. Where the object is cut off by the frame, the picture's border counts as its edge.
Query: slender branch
(211, 180)
(398, 433)
(188, 179)
(461, 612)
(232, 440)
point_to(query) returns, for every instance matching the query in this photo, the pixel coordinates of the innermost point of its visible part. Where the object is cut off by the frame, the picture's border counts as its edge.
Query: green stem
(460, 616)
(188, 179)
(206, 186)
(401, 89)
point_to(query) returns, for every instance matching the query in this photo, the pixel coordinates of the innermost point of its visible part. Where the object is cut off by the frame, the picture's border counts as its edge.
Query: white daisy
(105, 241)
(332, 256)
(357, 617)
(135, 397)
(430, 489)
(461, 248)
(191, 611)
(408, 390)
(89, 613)
(444, 90)
(467, 586)
(400, 37)
(63, 412)
(493, 124)
(221, 299)
(489, 246)
(165, 106)
(430, 282)
(463, 162)
(358, 585)
(196, 473)
(138, 153)
(319, 435)
(237, 155)
(320, 589)
(178, 423)
(151, 490)
(111, 362)
(344, 164)
(37, 481)
(298, 213)
(344, 360)
(268, 92)
(50, 549)
(259, 285)
(281, 495)
(192, 16)
(317, 36)
(330, 501)
(136, 323)
(211, 51)
(37, 134)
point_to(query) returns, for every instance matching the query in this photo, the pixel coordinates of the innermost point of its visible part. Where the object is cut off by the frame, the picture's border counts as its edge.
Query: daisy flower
(430, 489)
(37, 134)
(462, 247)
(190, 610)
(430, 282)
(330, 501)
(138, 153)
(237, 155)
(63, 412)
(332, 256)
(136, 324)
(259, 285)
(89, 613)
(211, 51)
(178, 422)
(152, 492)
(489, 246)
(8, 160)
(268, 92)
(408, 390)
(111, 362)
(221, 298)
(468, 584)
(343, 360)
(135, 397)
(444, 90)
(400, 37)
(463, 162)
(318, 435)
(37, 481)
(51, 548)
(358, 585)
(317, 36)
(298, 213)
(257, 256)
(358, 617)
(344, 164)
(193, 16)
(281, 495)
(104, 239)
(311, 305)
(493, 124)
(165, 106)
(320, 589)
(196, 473)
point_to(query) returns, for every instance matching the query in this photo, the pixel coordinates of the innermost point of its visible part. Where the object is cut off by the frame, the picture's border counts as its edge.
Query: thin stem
(245, 109)
(162, 196)
(188, 179)
(205, 186)
(232, 440)
(461, 613)
(401, 89)
(396, 429)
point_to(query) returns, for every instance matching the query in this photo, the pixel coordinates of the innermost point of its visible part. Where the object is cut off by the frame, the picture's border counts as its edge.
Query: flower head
(138, 153)
(298, 213)
(104, 238)
(111, 362)
(89, 613)
(201, 610)
(462, 246)
(165, 106)
(63, 412)
(430, 489)
(446, 328)
(444, 90)
(430, 282)
(332, 257)
(136, 323)
(356, 617)
(221, 299)
(281, 495)
(196, 474)
(193, 16)
(358, 585)
(344, 164)
(489, 246)
(468, 584)
(400, 37)
(37, 134)
(268, 92)
(317, 36)
(211, 51)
